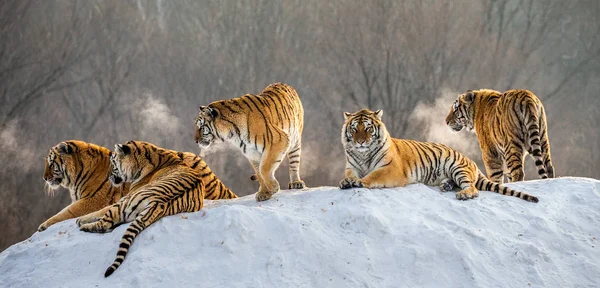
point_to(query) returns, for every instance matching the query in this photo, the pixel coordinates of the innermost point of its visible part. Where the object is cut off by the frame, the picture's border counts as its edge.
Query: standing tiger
(161, 185)
(83, 168)
(508, 125)
(265, 127)
(375, 160)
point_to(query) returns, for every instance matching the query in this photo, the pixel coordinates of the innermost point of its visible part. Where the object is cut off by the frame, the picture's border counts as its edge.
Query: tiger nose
(360, 141)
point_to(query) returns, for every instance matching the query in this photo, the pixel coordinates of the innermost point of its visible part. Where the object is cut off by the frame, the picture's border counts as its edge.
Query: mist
(111, 71)
(432, 118)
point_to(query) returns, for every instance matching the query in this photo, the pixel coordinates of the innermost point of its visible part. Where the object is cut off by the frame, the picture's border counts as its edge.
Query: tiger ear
(212, 112)
(378, 114)
(346, 115)
(64, 148)
(122, 149)
(201, 107)
(469, 96)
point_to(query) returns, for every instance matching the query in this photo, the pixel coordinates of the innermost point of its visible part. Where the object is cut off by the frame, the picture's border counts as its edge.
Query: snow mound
(325, 237)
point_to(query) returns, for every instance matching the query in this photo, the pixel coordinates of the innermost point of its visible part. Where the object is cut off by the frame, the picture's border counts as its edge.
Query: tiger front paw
(447, 185)
(94, 227)
(351, 182)
(43, 227)
(297, 185)
(467, 194)
(85, 220)
(263, 196)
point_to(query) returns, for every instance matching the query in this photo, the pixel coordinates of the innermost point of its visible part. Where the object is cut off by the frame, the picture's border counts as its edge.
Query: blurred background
(111, 71)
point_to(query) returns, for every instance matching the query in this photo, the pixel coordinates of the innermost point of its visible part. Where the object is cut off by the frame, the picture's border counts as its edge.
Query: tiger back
(83, 168)
(162, 185)
(509, 126)
(376, 160)
(265, 127)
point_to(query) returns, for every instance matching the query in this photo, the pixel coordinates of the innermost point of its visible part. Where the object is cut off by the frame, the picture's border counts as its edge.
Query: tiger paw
(42, 227)
(94, 227)
(465, 195)
(85, 220)
(447, 185)
(263, 196)
(297, 185)
(351, 182)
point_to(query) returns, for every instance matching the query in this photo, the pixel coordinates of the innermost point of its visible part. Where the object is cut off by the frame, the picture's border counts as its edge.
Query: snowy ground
(324, 237)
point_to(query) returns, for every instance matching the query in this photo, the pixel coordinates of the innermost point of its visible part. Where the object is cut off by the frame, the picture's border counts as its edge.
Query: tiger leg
(467, 184)
(493, 168)
(546, 155)
(75, 209)
(268, 164)
(110, 220)
(514, 162)
(92, 217)
(294, 160)
(350, 180)
(381, 178)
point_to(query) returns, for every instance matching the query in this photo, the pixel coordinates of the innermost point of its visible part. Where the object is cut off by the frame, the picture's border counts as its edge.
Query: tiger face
(362, 130)
(460, 115)
(206, 131)
(128, 162)
(61, 163)
(114, 176)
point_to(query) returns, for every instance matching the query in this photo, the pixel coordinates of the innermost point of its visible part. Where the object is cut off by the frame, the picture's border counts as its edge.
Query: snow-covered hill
(325, 237)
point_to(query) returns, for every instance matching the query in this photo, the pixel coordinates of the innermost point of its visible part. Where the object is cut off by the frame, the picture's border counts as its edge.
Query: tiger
(376, 160)
(509, 126)
(265, 127)
(161, 185)
(83, 168)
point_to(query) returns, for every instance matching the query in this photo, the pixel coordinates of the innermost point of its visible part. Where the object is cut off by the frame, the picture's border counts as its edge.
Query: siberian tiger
(161, 185)
(83, 168)
(375, 160)
(265, 127)
(509, 126)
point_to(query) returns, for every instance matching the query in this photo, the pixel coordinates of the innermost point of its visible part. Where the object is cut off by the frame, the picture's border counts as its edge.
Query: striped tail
(484, 184)
(535, 147)
(132, 231)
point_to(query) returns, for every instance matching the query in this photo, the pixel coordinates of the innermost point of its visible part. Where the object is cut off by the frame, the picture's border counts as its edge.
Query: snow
(325, 237)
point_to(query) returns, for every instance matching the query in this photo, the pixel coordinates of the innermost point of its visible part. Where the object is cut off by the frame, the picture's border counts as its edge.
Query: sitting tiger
(375, 160)
(161, 185)
(265, 127)
(509, 126)
(83, 168)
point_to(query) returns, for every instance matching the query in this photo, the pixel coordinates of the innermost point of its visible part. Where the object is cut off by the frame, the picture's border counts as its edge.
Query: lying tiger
(83, 168)
(376, 160)
(509, 126)
(161, 185)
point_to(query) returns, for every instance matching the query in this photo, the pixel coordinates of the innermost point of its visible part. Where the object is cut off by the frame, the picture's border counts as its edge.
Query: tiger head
(461, 113)
(66, 161)
(131, 161)
(207, 125)
(363, 130)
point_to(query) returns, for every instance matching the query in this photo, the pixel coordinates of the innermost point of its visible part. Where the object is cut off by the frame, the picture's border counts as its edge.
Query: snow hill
(325, 237)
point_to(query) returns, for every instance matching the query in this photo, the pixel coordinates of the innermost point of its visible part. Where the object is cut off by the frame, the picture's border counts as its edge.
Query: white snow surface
(414, 236)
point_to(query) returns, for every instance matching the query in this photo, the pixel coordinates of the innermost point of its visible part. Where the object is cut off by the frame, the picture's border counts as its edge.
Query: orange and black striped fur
(375, 160)
(83, 168)
(265, 127)
(509, 126)
(161, 185)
